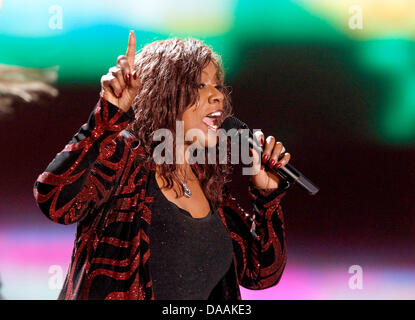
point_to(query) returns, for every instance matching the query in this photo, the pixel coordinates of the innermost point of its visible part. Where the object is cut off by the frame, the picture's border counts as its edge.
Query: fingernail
(265, 158)
(128, 77)
(272, 163)
(279, 165)
(262, 142)
(135, 75)
(250, 153)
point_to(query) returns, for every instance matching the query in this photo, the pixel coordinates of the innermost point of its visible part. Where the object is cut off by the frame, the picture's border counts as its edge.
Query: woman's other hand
(274, 156)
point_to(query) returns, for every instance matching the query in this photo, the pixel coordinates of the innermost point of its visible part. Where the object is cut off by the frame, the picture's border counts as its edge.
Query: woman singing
(147, 230)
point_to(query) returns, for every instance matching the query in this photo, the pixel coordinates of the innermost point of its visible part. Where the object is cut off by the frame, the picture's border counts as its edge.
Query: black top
(188, 256)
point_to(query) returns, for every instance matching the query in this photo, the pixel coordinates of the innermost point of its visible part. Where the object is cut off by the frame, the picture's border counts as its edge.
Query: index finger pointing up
(131, 49)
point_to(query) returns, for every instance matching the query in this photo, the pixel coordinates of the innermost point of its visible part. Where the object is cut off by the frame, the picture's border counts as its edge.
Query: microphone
(287, 172)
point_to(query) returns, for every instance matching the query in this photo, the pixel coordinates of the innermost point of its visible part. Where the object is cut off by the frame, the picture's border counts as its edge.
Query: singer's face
(205, 114)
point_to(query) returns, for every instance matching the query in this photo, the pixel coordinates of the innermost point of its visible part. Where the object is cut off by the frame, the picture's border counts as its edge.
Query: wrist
(269, 184)
(283, 186)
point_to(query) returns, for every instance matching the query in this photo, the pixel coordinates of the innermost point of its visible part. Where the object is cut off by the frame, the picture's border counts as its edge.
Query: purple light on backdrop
(29, 251)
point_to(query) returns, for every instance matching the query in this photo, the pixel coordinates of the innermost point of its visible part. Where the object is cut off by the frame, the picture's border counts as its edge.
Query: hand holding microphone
(265, 179)
(273, 156)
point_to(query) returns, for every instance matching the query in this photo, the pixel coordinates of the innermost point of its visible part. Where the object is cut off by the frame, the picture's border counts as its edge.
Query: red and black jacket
(95, 182)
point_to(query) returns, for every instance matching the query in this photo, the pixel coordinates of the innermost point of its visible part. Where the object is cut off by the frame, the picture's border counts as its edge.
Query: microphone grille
(233, 123)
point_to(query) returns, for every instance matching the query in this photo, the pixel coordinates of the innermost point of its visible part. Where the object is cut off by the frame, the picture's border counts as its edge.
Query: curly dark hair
(170, 71)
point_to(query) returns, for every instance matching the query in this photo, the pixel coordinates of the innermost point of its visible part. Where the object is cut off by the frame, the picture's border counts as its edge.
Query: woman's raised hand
(120, 85)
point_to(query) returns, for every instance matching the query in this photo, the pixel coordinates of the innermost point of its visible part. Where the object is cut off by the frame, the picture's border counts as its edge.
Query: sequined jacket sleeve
(258, 237)
(80, 177)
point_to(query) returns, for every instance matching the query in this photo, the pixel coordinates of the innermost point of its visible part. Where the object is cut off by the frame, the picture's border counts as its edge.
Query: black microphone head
(233, 123)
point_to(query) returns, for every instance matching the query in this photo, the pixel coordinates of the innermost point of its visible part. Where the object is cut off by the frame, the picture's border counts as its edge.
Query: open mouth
(212, 120)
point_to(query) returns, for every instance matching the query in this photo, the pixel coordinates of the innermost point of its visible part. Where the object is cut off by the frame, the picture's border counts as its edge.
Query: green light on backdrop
(386, 55)
(397, 121)
(85, 51)
(393, 59)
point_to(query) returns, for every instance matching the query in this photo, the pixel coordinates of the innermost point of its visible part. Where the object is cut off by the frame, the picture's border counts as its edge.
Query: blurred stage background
(341, 98)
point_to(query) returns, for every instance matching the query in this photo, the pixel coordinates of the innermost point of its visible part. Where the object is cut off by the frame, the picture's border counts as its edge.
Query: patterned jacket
(95, 182)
